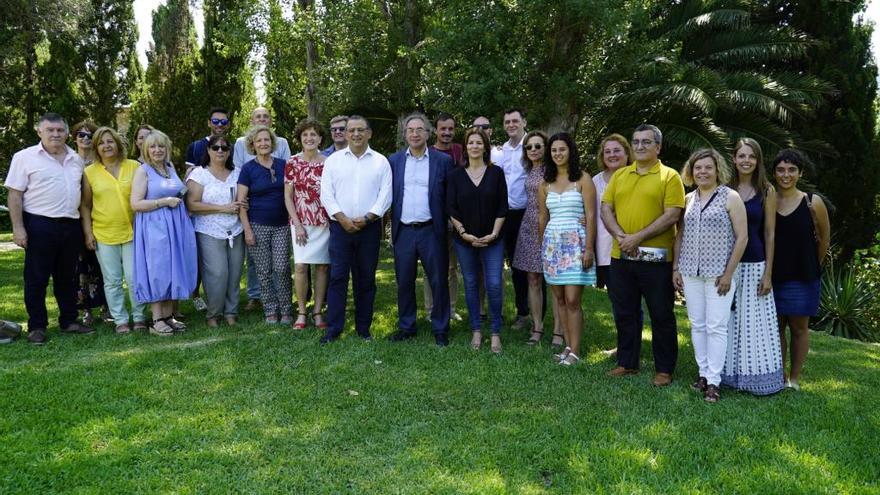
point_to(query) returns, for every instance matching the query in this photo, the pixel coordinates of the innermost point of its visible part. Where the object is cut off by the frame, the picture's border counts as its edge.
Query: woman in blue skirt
(803, 233)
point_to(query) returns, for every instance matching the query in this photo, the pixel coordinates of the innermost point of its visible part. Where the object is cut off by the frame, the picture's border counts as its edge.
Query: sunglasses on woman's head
(220, 147)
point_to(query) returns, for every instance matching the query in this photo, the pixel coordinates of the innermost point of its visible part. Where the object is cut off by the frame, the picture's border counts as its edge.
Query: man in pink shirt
(44, 193)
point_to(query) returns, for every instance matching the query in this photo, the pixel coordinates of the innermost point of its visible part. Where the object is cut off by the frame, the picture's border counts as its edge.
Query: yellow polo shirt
(112, 216)
(639, 199)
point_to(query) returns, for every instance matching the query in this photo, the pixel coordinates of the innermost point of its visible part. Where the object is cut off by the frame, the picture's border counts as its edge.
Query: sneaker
(455, 316)
(570, 360)
(199, 304)
(37, 336)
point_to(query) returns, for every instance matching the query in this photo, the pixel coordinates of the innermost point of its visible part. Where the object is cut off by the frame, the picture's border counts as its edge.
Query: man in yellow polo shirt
(640, 208)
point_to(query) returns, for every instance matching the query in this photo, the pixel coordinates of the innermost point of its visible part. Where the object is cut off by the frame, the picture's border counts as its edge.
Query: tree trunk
(313, 106)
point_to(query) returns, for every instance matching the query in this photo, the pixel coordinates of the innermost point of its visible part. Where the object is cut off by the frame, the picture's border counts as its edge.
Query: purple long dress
(164, 244)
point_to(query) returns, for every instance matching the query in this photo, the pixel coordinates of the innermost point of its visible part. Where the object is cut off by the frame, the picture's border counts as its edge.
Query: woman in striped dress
(567, 225)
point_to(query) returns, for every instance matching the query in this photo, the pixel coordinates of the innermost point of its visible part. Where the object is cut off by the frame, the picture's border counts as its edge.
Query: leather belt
(418, 225)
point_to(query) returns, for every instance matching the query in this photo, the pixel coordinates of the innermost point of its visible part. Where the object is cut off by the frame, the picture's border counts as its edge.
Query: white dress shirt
(509, 158)
(355, 185)
(240, 156)
(51, 188)
(415, 206)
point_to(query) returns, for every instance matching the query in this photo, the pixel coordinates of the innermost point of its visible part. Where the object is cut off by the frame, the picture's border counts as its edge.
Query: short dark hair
(212, 140)
(85, 124)
(520, 111)
(51, 117)
(793, 157)
(306, 124)
(358, 117)
(658, 135)
(442, 116)
(222, 110)
(574, 160)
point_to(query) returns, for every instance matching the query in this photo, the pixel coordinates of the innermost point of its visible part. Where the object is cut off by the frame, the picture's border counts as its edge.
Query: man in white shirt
(240, 156)
(44, 192)
(509, 157)
(356, 192)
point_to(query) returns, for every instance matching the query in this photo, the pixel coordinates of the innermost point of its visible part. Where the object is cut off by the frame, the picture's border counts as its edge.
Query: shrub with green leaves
(847, 301)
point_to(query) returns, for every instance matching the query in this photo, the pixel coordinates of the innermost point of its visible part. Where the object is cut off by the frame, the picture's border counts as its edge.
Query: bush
(847, 302)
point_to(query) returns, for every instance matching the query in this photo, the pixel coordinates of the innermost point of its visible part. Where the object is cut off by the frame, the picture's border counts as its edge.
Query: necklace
(164, 172)
(474, 177)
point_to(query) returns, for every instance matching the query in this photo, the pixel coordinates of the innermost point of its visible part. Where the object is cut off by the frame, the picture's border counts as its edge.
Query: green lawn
(261, 409)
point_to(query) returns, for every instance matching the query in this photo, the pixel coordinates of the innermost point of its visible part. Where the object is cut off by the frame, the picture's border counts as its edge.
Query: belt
(418, 225)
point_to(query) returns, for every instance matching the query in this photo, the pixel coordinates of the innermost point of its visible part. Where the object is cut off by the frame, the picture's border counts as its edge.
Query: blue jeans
(491, 260)
(117, 265)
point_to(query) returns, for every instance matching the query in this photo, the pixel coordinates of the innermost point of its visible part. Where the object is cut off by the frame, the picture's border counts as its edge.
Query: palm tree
(711, 71)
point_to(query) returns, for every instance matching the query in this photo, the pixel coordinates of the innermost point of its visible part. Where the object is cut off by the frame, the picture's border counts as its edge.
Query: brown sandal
(711, 394)
(535, 338)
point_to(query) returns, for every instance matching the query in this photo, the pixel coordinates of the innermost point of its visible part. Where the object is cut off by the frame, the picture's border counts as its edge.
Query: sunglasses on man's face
(483, 126)
(337, 129)
(220, 147)
(220, 121)
(84, 135)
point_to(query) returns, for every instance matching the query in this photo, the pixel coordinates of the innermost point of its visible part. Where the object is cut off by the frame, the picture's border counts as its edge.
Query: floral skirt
(562, 255)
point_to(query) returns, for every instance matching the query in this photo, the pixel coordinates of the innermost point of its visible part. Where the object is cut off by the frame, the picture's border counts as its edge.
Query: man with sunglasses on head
(337, 133)
(260, 116)
(219, 123)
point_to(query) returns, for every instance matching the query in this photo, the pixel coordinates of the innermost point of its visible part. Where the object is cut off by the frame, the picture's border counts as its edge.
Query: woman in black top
(803, 233)
(476, 197)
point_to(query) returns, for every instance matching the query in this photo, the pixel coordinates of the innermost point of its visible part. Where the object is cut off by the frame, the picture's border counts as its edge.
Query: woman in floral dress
(309, 223)
(567, 198)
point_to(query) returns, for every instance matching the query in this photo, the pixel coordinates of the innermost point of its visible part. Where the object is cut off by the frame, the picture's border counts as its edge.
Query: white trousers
(709, 314)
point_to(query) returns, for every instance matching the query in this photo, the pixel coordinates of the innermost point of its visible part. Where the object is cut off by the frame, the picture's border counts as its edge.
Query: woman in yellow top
(108, 224)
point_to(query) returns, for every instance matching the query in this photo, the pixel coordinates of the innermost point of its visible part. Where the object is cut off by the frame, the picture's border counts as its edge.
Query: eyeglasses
(272, 174)
(337, 129)
(357, 130)
(644, 142)
(220, 147)
(220, 121)
(531, 147)
(417, 130)
(483, 126)
(84, 135)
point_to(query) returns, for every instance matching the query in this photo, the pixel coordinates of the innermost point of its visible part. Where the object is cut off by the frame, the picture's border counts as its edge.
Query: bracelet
(157, 204)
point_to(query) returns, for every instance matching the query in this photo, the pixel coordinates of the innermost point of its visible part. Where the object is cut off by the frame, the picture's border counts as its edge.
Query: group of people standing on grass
(747, 255)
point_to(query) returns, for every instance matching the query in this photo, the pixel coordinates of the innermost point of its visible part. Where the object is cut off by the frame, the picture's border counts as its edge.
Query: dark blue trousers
(358, 255)
(414, 244)
(53, 247)
(628, 282)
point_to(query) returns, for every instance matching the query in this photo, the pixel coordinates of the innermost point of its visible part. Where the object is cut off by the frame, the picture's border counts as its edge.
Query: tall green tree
(108, 53)
(170, 96)
(846, 120)
(225, 70)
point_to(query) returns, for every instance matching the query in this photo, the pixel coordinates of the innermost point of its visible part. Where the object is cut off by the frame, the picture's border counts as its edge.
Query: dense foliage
(785, 72)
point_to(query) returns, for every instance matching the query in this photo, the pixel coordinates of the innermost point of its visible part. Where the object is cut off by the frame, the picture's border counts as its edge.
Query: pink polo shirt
(51, 188)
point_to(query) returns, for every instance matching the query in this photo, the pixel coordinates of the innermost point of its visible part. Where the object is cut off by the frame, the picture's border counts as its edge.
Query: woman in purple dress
(164, 239)
(528, 245)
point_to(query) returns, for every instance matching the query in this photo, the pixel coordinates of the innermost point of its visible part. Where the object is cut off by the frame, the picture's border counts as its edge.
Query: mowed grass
(260, 409)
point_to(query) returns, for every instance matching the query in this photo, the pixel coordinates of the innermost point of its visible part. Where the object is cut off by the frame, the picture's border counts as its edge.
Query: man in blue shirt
(219, 123)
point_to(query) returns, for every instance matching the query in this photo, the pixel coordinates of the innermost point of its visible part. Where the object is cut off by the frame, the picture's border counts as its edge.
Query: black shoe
(9, 330)
(441, 339)
(327, 338)
(401, 335)
(366, 337)
(37, 336)
(77, 329)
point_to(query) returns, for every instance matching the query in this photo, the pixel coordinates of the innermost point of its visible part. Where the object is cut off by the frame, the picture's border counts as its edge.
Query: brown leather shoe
(662, 379)
(621, 371)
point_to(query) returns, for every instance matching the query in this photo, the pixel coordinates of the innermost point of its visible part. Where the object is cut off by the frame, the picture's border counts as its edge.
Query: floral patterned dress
(305, 177)
(564, 240)
(528, 246)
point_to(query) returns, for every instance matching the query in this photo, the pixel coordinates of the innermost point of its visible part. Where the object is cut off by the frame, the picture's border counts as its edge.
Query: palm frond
(748, 48)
